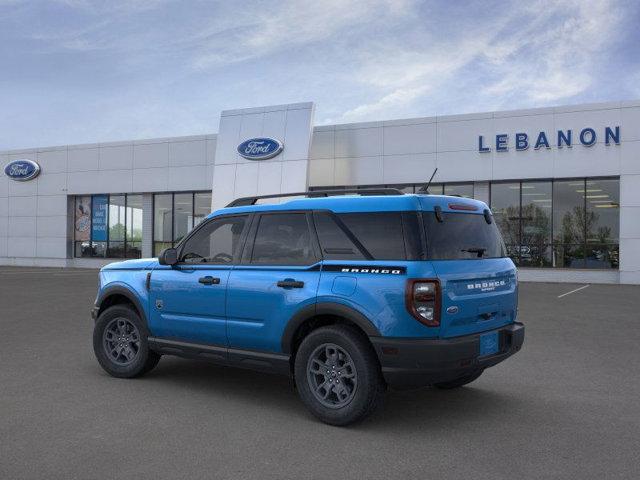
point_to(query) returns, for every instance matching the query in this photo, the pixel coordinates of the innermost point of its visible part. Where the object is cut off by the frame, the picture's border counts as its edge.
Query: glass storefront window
(182, 215)
(117, 220)
(108, 226)
(162, 222)
(175, 215)
(535, 243)
(569, 223)
(134, 226)
(505, 205)
(564, 223)
(434, 188)
(602, 224)
(460, 189)
(201, 207)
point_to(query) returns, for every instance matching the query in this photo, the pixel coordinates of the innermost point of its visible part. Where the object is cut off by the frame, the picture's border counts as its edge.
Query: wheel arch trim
(119, 289)
(325, 308)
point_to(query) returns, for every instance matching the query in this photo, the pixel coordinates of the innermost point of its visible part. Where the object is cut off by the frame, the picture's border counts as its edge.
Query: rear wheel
(458, 382)
(337, 375)
(120, 343)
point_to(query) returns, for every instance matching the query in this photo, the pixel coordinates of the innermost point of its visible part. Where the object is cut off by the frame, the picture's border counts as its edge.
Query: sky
(80, 71)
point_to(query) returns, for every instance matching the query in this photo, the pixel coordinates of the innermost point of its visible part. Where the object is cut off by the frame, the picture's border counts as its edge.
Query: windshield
(461, 236)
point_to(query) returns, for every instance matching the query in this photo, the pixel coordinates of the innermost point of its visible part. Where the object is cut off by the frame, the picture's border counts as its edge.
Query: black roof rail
(245, 201)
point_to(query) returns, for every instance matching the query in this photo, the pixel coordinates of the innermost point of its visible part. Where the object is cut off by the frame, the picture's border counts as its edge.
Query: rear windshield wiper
(480, 251)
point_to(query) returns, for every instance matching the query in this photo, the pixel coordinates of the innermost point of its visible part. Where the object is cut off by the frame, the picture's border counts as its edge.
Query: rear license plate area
(489, 344)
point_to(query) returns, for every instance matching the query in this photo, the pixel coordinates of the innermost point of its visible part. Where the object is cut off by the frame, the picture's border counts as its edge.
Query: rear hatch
(478, 282)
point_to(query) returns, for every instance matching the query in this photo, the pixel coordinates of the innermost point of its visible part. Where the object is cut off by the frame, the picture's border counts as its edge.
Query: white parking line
(573, 291)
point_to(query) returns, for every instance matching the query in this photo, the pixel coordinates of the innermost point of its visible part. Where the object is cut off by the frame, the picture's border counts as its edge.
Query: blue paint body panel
(247, 310)
(258, 310)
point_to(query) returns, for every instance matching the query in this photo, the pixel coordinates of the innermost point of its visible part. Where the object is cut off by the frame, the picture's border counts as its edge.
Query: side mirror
(169, 256)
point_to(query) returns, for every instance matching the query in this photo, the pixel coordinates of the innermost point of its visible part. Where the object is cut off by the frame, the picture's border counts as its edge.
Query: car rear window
(461, 236)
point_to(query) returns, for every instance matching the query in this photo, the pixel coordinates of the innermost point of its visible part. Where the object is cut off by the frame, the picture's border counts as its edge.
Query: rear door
(278, 275)
(479, 287)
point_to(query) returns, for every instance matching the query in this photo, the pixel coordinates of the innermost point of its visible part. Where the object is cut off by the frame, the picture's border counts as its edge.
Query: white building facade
(563, 182)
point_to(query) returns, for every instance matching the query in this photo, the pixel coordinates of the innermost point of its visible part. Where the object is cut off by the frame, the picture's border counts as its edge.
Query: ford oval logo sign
(22, 170)
(260, 148)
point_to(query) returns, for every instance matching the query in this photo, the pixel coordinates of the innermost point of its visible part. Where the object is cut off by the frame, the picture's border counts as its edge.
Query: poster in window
(99, 218)
(83, 219)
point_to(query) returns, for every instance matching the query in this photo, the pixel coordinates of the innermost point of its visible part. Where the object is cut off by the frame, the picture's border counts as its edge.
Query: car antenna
(425, 188)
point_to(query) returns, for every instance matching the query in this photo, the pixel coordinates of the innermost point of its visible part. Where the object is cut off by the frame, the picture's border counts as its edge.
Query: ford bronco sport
(348, 294)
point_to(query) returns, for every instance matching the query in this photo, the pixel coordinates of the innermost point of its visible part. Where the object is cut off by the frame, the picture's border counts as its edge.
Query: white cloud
(543, 52)
(288, 24)
(554, 63)
(166, 67)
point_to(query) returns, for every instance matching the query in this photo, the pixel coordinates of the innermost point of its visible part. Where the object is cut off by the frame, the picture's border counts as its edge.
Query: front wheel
(120, 343)
(338, 375)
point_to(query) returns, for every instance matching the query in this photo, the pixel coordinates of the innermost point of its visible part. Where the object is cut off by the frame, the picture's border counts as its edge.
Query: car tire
(338, 376)
(458, 382)
(120, 343)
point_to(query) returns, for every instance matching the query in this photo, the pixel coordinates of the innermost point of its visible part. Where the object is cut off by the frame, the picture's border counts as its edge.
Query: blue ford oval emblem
(22, 170)
(260, 148)
(452, 310)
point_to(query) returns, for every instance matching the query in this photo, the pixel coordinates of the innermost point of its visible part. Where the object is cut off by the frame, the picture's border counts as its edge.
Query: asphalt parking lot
(567, 406)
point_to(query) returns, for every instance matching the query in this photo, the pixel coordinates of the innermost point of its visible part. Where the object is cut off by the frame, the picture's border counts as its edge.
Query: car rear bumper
(410, 363)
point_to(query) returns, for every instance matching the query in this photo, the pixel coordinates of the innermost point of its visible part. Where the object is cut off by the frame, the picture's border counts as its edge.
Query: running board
(222, 355)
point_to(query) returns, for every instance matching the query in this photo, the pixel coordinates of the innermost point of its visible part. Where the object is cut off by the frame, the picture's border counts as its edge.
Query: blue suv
(348, 294)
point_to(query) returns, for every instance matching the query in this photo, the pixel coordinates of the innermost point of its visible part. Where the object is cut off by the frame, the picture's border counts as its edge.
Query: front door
(187, 301)
(278, 275)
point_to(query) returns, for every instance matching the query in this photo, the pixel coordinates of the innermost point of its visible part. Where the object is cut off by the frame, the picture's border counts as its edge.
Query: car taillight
(423, 301)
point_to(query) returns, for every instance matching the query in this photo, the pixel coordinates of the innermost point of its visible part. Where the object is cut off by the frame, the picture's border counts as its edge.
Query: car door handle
(209, 280)
(290, 283)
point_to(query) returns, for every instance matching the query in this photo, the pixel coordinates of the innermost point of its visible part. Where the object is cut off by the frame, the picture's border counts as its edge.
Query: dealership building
(563, 182)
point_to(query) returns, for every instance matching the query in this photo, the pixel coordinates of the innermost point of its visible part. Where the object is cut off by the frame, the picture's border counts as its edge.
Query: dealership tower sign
(260, 148)
(564, 138)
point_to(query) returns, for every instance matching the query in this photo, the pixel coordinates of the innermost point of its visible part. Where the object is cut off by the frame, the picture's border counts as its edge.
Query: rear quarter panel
(379, 297)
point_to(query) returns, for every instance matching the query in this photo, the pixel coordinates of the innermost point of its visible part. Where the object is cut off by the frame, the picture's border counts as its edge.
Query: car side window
(334, 242)
(216, 242)
(381, 233)
(283, 239)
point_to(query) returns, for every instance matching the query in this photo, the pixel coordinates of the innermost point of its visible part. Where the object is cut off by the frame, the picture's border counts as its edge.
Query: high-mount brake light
(423, 301)
(462, 206)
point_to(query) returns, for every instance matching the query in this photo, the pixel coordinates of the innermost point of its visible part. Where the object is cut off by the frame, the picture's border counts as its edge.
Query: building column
(147, 225)
(235, 176)
(481, 191)
(629, 229)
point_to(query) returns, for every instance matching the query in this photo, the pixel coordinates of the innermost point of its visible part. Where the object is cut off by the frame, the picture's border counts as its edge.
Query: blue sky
(78, 71)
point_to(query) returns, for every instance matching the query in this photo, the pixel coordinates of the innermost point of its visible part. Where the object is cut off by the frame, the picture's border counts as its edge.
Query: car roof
(364, 203)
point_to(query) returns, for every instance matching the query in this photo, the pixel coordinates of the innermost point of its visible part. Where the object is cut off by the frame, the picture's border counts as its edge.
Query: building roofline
(567, 108)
